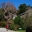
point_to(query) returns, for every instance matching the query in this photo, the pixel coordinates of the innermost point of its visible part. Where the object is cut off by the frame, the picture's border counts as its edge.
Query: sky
(18, 2)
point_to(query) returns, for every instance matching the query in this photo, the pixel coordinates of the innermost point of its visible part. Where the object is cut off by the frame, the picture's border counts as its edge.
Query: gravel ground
(4, 30)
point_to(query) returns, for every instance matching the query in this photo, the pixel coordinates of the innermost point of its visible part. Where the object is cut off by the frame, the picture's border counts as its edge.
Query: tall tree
(22, 8)
(1, 13)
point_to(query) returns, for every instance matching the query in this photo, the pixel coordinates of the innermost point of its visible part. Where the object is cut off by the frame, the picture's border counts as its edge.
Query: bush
(17, 20)
(22, 24)
(20, 21)
(2, 24)
(12, 26)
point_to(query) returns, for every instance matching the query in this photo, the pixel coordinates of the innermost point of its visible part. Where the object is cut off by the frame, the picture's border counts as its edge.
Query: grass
(21, 31)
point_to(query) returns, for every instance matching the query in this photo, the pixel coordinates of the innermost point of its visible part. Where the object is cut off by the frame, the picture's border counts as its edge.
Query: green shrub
(12, 26)
(20, 21)
(2, 24)
(17, 20)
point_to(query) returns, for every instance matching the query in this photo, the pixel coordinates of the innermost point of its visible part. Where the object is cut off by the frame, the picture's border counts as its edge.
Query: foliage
(17, 20)
(1, 14)
(22, 8)
(12, 26)
(2, 24)
(20, 21)
(29, 21)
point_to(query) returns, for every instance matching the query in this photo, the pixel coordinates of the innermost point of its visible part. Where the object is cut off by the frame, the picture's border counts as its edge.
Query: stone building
(28, 13)
(10, 11)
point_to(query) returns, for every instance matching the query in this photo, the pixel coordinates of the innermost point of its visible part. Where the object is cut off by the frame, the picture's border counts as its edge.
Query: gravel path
(4, 30)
